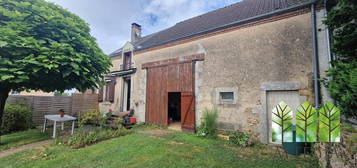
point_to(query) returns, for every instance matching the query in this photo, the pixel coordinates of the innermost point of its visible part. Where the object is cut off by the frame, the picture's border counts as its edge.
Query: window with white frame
(226, 95)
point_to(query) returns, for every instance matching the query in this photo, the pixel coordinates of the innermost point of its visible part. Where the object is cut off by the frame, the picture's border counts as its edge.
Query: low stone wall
(339, 155)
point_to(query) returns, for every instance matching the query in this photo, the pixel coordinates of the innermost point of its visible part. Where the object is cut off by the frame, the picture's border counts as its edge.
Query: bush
(343, 87)
(16, 118)
(83, 138)
(342, 82)
(209, 123)
(91, 118)
(241, 139)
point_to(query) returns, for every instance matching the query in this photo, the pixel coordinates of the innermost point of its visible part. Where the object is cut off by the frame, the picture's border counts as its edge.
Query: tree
(341, 20)
(45, 47)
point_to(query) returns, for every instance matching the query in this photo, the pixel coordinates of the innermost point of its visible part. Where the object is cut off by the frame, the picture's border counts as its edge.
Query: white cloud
(169, 12)
(110, 20)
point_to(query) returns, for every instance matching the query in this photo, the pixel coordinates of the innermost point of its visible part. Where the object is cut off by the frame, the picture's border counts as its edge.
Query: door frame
(164, 63)
(272, 86)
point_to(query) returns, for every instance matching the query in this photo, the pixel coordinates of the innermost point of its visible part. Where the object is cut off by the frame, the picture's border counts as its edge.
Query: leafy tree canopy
(341, 20)
(43, 46)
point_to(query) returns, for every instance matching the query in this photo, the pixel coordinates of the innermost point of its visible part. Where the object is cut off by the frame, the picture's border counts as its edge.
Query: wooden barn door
(188, 111)
(163, 79)
(156, 98)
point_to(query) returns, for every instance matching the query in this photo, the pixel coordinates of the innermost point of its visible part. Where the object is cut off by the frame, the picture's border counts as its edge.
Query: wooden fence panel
(43, 105)
(25, 100)
(82, 103)
(40, 108)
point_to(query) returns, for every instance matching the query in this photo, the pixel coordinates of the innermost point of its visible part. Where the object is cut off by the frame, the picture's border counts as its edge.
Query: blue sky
(110, 20)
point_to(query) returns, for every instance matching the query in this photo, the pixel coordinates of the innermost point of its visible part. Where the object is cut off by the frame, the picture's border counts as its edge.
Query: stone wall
(243, 59)
(339, 155)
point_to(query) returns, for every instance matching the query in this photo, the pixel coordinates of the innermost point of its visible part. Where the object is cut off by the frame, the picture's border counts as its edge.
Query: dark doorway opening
(128, 92)
(174, 107)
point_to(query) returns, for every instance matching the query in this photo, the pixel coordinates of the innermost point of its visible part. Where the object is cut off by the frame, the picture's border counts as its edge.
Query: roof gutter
(233, 24)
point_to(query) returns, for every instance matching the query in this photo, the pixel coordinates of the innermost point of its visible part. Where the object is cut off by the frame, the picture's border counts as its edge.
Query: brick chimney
(135, 32)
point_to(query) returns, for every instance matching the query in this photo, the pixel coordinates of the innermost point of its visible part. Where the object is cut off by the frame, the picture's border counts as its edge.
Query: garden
(104, 141)
(62, 55)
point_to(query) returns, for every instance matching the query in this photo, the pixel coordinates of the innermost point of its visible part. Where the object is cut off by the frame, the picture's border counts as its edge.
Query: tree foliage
(341, 20)
(43, 46)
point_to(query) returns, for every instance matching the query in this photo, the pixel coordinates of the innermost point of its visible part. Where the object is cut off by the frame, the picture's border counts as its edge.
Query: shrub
(209, 123)
(91, 118)
(16, 118)
(342, 82)
(343, 86)
(241, 139)
(82, 138)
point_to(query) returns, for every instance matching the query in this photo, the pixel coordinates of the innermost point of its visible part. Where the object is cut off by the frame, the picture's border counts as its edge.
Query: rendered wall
(115, 106)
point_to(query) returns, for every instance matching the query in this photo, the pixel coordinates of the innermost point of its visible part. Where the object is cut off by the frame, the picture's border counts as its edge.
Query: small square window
(226, 96)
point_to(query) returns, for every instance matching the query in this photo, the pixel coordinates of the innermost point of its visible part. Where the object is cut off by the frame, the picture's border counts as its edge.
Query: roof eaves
(116, 53)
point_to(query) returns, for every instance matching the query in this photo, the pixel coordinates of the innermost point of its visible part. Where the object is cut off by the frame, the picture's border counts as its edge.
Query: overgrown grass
(83, 138)
(209, 122)
(21, 138)
(144, 150)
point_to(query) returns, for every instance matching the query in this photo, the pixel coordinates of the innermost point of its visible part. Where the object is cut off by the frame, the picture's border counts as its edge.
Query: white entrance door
(291, 98)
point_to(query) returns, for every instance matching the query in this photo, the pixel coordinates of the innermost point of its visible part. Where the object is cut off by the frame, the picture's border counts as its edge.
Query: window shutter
(100, 95)
(112, 90)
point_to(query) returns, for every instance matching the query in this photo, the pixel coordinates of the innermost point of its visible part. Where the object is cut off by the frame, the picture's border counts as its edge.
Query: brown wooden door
(156, 98)
(188, 111)
(170, 78)
(127, 62)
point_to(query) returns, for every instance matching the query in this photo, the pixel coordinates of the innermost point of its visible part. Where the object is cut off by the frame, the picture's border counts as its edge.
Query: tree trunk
(4, 94)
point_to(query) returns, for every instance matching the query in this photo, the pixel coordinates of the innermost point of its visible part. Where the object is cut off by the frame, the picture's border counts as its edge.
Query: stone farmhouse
(242, 59)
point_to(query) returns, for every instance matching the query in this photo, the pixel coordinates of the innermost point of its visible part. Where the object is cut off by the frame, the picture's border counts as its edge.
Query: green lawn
(154, 151)
(21, 138)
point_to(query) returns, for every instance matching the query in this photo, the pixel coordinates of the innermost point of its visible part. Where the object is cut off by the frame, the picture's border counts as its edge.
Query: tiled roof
(236, 12)
(117, 52)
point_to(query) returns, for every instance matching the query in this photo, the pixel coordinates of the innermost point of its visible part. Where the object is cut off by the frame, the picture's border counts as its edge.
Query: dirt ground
(24, 147)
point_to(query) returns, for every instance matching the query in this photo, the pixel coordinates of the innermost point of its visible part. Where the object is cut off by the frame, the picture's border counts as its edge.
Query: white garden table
(58, 118)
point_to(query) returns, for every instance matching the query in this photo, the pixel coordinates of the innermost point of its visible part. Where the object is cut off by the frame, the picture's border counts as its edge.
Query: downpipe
(315, 59)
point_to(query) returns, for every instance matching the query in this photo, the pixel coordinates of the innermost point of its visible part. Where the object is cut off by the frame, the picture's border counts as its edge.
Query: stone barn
(242, 59)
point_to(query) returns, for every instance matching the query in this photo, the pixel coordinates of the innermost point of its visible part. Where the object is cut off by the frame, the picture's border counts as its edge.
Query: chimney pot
(135, 32)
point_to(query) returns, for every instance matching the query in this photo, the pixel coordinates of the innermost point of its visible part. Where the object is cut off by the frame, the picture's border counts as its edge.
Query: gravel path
(24, 147)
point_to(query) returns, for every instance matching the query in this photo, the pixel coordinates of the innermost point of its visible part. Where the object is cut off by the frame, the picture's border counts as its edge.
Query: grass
(143, 150)
(21, 138)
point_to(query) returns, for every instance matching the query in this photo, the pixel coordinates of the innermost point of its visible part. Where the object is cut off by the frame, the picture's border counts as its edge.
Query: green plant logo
(329, 125)
(306, 123)
(282, 123)
(311, 125)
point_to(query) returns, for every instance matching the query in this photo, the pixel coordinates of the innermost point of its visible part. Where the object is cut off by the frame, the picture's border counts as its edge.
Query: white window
(13, 92)
(226, 95)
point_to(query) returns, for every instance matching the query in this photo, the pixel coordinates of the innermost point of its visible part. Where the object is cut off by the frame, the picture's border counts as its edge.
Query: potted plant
(61, 113)
(132, 119)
